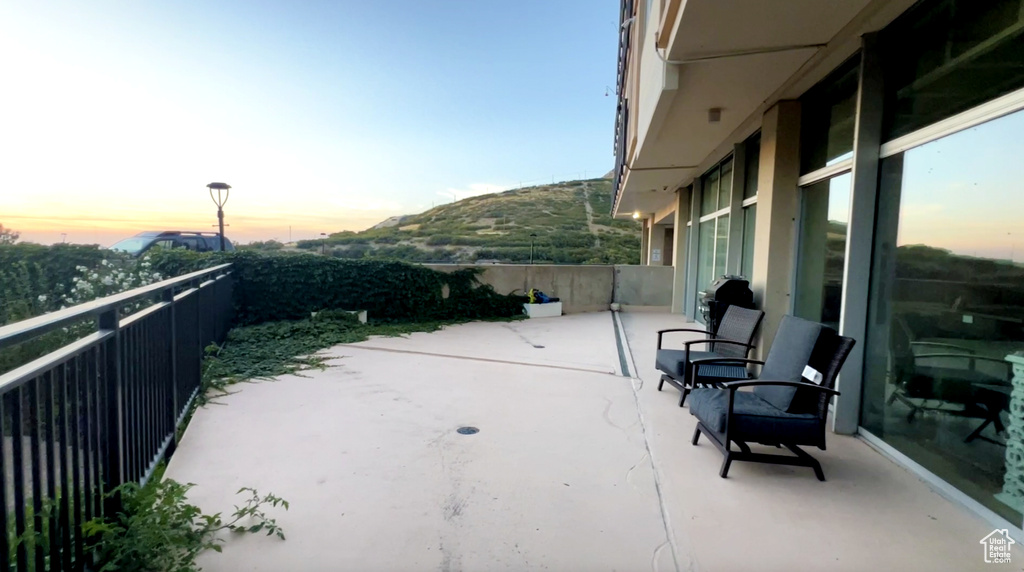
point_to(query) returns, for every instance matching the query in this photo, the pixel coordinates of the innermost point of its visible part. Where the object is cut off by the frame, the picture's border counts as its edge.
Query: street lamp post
(223, 189)
(533, 236)
(323, 243)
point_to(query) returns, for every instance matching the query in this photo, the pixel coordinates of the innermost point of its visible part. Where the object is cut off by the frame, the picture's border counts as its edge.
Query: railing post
(173, 398)
(113, 470)
(198, 285)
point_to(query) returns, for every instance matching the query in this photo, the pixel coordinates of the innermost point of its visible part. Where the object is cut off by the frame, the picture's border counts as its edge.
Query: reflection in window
(705, 254)
(749, 226)
(753, 162)
(944, 57)
(709, 193)
(725, 187)
(825, 214)
(828, 114)
(947, 308)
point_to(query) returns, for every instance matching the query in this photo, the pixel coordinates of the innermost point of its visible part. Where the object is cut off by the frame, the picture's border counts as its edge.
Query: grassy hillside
(570, 221)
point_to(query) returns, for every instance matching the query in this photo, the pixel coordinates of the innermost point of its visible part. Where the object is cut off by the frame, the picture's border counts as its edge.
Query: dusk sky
(323, 116)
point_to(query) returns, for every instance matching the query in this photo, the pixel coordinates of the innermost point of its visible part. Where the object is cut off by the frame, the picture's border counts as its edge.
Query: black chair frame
(802, 458)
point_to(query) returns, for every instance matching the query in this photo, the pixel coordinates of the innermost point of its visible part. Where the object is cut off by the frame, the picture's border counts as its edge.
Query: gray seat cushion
(789, 355)
(672, 361)
(754, 419)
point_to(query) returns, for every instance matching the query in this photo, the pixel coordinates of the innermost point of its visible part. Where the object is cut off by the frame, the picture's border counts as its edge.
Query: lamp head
(223, 191)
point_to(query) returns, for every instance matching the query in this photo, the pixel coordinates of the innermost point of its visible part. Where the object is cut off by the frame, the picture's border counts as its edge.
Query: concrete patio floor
(575, 467)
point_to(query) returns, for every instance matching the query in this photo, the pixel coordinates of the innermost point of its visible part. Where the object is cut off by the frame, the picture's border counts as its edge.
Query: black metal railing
(100, 411)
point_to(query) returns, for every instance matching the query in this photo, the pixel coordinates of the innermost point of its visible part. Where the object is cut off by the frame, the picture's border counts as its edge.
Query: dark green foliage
(262, 245)
(269, 288)
(159, 531)
(271, 349)
(498, 226)
(28, 271)
(272, 287)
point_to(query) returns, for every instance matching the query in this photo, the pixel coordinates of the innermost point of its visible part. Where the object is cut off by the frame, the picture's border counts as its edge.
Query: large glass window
(824, 216)
(749, 225)
(709, 191)
(947, 309)
(713, 239)
(827, 118)
(751, 169)
(946, 57)
(752, 165)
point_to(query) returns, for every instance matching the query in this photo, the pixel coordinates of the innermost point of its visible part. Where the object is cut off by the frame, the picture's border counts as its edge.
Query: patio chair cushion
(673, 363)
(789, 355)
(753, 418)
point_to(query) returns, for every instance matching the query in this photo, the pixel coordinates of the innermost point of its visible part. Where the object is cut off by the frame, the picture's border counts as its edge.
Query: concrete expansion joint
(648, 454)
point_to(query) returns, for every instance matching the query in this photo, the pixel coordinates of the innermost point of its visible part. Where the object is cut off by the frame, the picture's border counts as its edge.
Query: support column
(775, 232)
(679, 250)
(656, 245)
(644, 241)
(734, 256)
(690, 299)
(860, 233)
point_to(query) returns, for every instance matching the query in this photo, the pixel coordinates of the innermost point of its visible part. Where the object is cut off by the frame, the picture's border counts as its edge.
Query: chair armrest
(963, 356)
(942, 345)
(972, 359)
(694, 330)
(718, 341)
(734, 385)
(725, 361)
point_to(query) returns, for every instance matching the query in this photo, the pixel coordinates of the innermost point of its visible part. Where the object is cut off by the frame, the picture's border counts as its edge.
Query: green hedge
(271, 287)
(28, 271)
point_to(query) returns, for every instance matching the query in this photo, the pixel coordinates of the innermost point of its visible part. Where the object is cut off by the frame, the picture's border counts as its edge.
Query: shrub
(272, 287)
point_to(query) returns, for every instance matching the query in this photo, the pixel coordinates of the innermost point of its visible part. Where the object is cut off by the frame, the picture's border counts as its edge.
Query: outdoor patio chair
(944, 378)
(732, 340)
(783, 409)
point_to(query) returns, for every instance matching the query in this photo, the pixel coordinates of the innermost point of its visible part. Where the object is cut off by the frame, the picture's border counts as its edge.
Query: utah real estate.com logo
(997, 546)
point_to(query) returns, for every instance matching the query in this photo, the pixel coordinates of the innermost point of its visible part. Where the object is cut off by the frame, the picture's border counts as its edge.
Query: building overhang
(725, 59)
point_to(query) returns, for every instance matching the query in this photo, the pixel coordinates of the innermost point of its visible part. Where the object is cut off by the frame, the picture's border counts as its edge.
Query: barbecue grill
(722, 293)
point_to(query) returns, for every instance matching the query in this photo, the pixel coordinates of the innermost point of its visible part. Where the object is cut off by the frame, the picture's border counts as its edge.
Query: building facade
(861, 162)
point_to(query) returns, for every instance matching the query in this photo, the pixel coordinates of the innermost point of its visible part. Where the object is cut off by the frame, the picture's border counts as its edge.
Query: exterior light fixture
(636, 215)
(223, 189)
(714, 115)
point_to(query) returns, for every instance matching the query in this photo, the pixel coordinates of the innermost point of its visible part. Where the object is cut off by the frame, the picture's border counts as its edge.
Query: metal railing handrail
(18, 332)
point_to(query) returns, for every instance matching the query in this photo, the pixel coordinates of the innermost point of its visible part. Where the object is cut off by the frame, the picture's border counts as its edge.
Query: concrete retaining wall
(590, 288)
(644, 287)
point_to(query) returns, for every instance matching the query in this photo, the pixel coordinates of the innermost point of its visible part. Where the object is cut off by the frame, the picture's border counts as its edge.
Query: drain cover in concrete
(467, 430)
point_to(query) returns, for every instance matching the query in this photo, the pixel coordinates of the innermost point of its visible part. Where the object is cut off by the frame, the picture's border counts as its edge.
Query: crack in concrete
(657, 552)
(629, 473)
(528, 341)
(488, 360)
(666, 522)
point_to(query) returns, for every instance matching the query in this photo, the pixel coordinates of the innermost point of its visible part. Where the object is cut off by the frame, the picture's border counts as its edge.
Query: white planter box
(549, 310)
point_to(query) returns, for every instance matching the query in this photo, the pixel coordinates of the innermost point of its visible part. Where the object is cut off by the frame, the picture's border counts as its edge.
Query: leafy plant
(160, 531)
(272, 287)
(8, 235)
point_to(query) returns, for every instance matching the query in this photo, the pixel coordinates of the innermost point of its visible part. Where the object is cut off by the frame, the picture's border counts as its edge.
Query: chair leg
(977, 432)
(682, 398)
(809, 460)
(696, 435)
(661, 382)
(724, 471)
